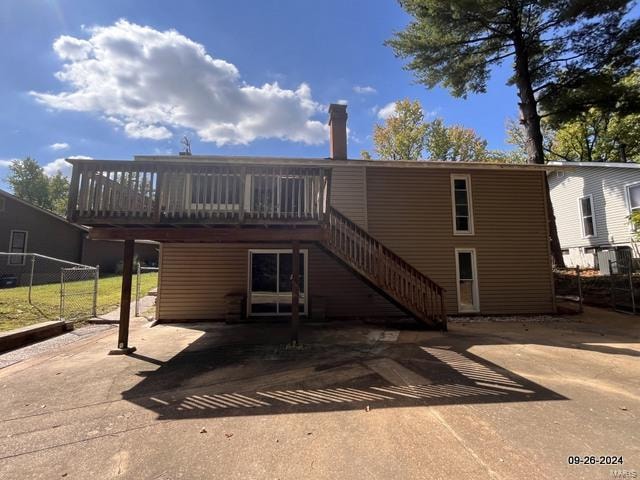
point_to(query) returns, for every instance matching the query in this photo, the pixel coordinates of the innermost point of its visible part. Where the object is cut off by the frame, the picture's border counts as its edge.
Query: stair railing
(385, 269)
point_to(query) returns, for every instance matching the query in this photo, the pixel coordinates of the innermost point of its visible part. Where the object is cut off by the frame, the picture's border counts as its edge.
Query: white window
(632, 192)
(286, 195)
(467, 280)
(462, 205)
(219, 192)
(270, 282)
(17, 244)
(633, 197)
(587, 217)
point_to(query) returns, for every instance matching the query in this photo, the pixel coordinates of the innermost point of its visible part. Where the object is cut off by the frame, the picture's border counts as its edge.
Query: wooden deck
(138, 193)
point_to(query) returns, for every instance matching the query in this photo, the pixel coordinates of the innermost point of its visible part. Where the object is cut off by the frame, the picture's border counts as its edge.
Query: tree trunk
(533, 133)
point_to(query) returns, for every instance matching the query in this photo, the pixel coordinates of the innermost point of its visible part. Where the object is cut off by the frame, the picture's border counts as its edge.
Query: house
(25, 228)
(592, 202)
(326, 238)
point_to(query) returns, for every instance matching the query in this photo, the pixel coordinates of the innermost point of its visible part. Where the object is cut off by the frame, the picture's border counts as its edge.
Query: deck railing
(137, 192)
(386, 270)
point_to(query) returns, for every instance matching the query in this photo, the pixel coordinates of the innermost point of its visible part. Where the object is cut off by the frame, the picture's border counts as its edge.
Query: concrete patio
(486, 400)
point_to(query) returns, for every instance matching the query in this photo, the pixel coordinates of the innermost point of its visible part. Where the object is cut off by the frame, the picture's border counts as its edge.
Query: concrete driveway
(486, 400)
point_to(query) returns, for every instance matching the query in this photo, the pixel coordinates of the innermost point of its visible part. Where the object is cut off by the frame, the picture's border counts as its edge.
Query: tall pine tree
(567, 55)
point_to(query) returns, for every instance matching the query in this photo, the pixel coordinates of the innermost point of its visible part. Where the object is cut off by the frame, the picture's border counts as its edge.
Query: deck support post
(295, 294)
(125, 301)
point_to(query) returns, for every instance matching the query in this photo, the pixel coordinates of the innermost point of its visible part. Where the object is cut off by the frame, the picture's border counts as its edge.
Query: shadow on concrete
(609, 349)
(248, 370)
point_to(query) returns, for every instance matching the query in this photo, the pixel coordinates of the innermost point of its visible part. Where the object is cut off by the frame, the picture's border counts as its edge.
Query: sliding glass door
(270, 285)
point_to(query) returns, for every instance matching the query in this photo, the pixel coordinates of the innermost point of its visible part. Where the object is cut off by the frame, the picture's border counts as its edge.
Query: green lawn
(15, 310)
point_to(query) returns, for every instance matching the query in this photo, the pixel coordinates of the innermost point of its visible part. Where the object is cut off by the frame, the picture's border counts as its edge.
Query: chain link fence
(78, 292)
(55, 288)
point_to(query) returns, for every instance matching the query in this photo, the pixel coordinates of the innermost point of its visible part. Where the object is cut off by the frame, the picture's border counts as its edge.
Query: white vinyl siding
(610, 201)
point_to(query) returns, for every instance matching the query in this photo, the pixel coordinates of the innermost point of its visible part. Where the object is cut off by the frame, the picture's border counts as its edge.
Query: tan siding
(410, 211)
(349, 193)
(196, 277)
(346, 295)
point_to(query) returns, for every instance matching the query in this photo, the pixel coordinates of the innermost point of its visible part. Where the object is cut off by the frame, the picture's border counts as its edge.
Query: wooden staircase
(385, 271)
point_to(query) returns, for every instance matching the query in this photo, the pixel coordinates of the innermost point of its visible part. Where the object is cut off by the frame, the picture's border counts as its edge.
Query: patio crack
(463, 443)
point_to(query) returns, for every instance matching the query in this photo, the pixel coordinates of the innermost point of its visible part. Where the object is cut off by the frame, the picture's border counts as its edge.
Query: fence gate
(623, 298)
(78, 292)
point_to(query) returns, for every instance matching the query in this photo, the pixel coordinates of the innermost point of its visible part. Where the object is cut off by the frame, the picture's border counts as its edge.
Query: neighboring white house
(592, 202)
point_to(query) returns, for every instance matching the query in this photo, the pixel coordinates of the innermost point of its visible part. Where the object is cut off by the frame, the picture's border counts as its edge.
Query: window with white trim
(462, 205)
(587, 218)
(633, 194)
(633, 202)
(17, 244)
(467, 280)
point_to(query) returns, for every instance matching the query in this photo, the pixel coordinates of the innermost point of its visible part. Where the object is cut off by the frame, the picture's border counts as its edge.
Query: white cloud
(61, 165)
(59, 146)
(6, 163)
(139, 130)
(342, 101)
(150, 82)
(390, 108)
(71, 48)
(364, 90)
(386, 111)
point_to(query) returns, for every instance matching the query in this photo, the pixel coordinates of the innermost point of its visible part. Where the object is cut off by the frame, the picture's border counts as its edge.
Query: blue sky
(109, 79)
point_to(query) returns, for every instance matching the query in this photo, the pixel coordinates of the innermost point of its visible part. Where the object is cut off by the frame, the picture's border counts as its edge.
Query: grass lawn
(15, 310)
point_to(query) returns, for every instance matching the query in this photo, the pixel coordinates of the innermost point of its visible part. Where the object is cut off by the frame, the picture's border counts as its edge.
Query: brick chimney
(337, 131)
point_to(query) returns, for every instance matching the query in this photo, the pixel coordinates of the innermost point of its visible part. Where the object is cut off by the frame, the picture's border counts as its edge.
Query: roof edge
(42, 210)
(327, 162)
(594, 164)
